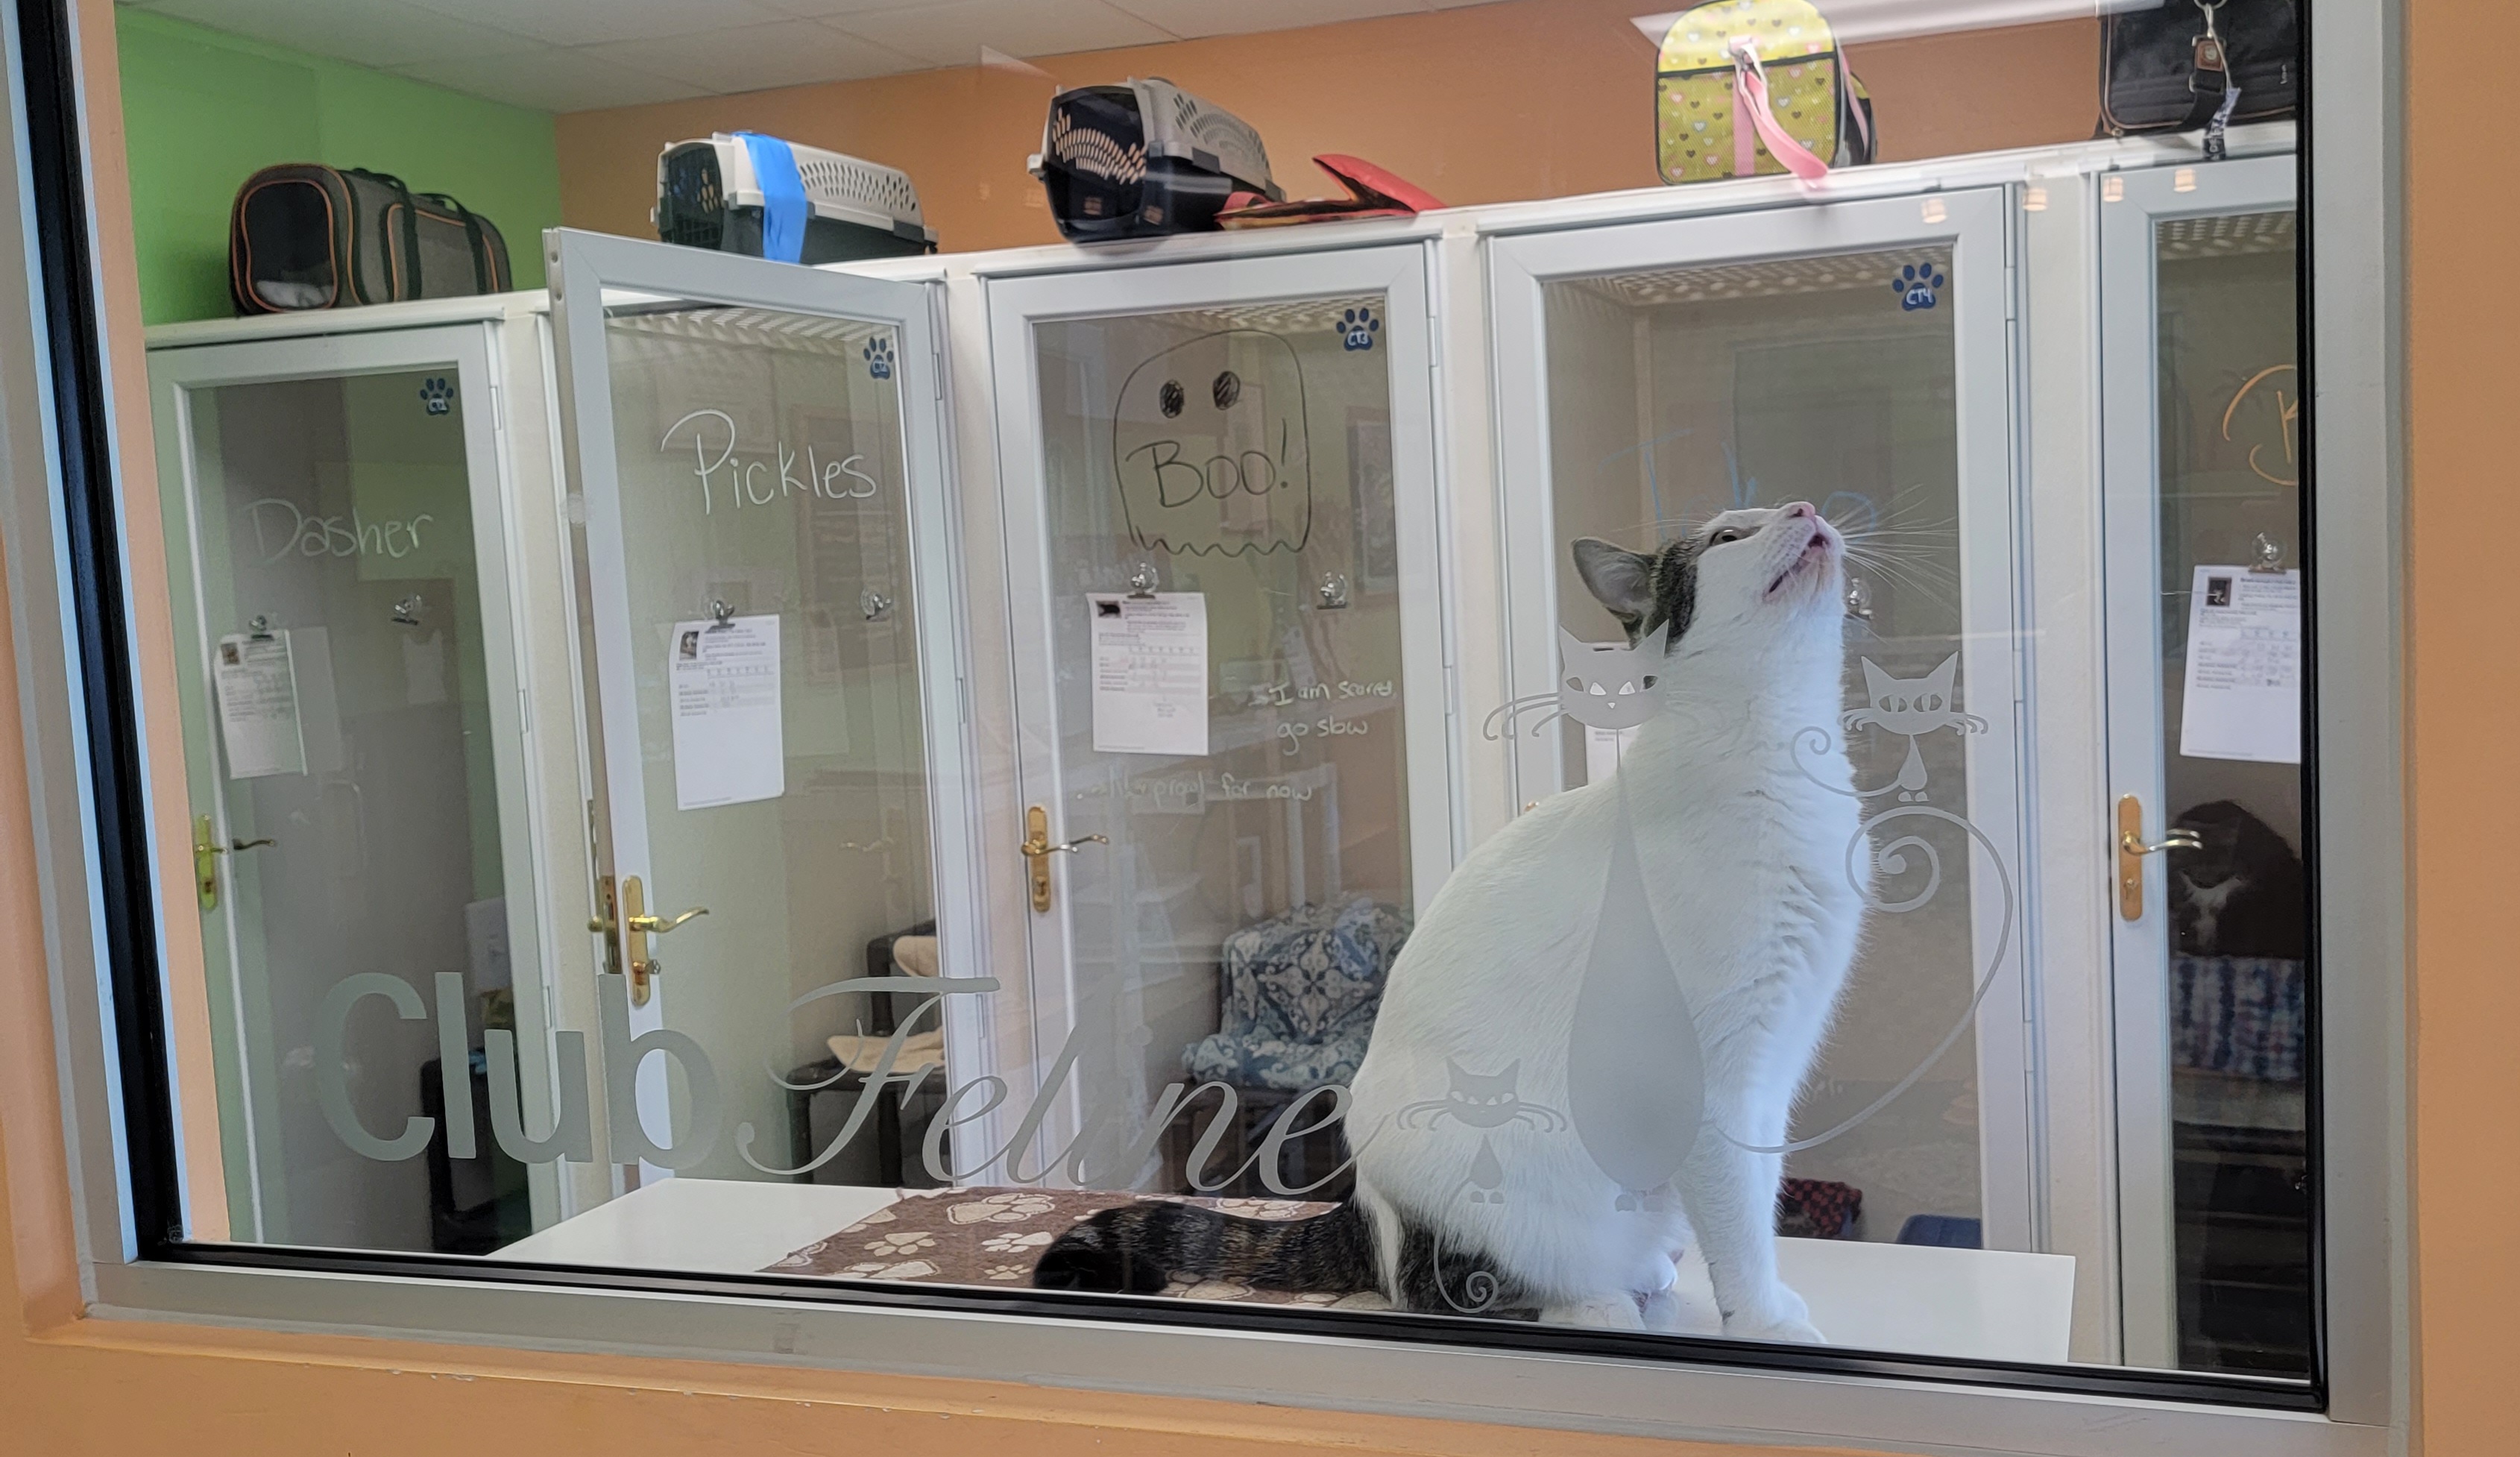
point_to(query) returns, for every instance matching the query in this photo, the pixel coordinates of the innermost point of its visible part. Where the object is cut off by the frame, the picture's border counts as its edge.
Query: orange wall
(70, 1387)
(1500, 103)
(2464, 698)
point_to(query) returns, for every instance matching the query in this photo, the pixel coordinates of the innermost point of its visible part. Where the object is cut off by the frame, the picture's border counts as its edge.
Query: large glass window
(1525, 761)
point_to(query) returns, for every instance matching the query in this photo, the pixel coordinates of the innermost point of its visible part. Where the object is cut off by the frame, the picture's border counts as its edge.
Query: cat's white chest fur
(1749, 851)
(1745, 864)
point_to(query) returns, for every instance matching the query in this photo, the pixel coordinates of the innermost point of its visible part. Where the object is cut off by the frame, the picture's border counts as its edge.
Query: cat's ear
(1621, 579)
(1876, 682)
(1940, 679)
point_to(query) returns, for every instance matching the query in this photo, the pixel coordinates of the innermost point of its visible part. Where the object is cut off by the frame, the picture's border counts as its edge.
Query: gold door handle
(635, 926)
(206, 863)
(207, 851)
(2132, 849)
(1037, 850)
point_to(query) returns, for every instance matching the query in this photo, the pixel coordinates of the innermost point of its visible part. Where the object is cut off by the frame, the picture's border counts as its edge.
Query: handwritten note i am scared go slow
(712, 434)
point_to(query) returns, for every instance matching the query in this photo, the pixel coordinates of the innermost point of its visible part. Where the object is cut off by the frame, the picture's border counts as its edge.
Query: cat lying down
(1588, 1051)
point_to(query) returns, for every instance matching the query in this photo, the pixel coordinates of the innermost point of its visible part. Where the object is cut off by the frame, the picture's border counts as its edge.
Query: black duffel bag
(2176, 67)
(304, 236)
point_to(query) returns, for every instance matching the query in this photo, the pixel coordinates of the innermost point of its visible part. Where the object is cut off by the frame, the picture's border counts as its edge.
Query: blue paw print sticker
(436, 397)
(1917, 286)
(1357, 327)
(878, 358)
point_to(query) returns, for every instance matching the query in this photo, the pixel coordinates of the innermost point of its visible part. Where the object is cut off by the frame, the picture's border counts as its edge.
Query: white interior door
(757, 462)
(2201, 484)
(1228, 664)
(1855, 355)
(357, 752)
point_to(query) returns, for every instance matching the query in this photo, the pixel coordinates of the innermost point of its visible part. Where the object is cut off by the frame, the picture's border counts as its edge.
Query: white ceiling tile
(370, 33)
(1188, 17)
(756, 58)
(820, 9)
(952, 32)
(579, 23)
(552, 79)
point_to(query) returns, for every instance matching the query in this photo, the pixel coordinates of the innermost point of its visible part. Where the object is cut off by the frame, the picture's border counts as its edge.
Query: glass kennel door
(1853, 356)
(1221, 524)
(757, 467)
(338, 569)
(2201, 406)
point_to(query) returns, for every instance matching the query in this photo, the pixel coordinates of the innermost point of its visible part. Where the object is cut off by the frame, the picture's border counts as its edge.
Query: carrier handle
(1750, 99)
(410, 226)
(483, 279)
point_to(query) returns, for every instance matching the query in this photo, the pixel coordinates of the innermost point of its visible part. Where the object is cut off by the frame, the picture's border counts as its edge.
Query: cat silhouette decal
(1913, 707)
(1601, 685)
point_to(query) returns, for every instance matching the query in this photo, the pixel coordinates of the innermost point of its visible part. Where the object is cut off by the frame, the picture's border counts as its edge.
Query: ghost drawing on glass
(1212, 448)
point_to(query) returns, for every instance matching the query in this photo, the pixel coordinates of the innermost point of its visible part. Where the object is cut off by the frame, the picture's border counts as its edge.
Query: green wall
(205, 110)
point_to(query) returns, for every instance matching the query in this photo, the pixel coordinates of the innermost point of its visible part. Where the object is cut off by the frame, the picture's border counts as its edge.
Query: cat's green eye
(1723, 536)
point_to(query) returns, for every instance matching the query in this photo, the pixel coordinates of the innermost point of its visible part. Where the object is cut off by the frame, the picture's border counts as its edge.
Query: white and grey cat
(1737, 888)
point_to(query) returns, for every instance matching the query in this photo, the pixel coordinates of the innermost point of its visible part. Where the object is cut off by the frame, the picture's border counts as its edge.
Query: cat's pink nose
(1800, 508)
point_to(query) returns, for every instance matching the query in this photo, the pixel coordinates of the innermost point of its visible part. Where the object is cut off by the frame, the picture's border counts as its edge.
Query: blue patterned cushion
(2239, 1015)
(1300, 996)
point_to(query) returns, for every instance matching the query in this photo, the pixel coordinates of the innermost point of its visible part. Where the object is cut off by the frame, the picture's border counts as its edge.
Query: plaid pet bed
(995, 1236)
(2239, 1015)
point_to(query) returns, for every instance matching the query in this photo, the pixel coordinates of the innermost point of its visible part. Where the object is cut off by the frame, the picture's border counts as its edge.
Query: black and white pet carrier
(1144, 159)
(744, 193)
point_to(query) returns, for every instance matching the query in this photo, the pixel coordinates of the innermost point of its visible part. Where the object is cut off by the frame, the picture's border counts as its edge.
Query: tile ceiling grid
(577, 55)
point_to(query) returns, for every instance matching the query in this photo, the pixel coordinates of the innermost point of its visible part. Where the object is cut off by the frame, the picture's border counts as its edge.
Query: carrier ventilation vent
(1096, 154)
(690, 210)
(839, 179)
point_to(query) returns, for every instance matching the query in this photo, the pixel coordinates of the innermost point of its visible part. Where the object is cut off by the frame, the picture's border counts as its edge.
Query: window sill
(547, 1331)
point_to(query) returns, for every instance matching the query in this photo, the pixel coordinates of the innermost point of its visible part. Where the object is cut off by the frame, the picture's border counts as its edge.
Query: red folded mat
(1371, 192)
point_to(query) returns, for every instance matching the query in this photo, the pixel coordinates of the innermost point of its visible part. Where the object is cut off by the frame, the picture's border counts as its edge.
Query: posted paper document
(257, 689)
(728, 746)
(1150, 673)
(2243, 689)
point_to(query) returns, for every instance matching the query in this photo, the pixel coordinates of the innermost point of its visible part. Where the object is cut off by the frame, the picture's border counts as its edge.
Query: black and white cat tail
(1138, 1248)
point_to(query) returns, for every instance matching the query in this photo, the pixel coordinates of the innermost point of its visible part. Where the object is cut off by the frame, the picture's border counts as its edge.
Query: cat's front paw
(1799, 1332)
(1781, 1316)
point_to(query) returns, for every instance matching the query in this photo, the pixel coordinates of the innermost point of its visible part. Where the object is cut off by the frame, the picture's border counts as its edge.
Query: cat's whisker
(1546, 722)
(1890, 573)
(1921, 566)
(1887, 562)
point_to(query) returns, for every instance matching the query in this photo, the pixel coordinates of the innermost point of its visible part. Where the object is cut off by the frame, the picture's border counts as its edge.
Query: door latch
(2132, 849)
(1037, 850)
(207, 851)
(635, 926)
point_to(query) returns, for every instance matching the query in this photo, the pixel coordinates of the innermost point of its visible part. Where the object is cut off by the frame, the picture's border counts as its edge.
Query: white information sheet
(2243, 691)
(1150, 673)
(1603, 748)
(257, 693)
(728, 746)
(319, 704)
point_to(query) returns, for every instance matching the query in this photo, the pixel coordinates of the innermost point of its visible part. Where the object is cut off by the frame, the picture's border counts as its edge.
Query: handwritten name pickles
(757, 482)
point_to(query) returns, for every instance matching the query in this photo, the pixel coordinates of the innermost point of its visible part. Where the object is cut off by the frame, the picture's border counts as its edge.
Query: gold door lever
(2132, 849)
(636, 925)
(1037, 850)
(206, 863)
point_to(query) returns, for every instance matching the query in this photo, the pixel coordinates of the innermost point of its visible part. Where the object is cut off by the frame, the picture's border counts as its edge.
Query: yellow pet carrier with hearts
(1775, 63)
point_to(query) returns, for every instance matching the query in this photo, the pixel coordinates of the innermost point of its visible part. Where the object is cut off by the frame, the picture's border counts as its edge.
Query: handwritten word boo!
(351, 535)
(832, 480)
